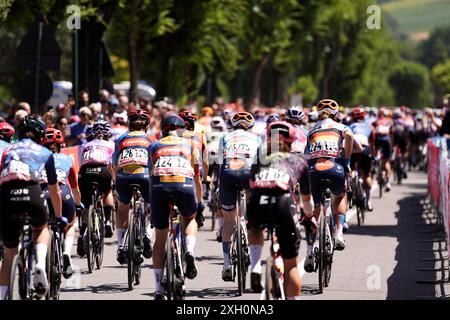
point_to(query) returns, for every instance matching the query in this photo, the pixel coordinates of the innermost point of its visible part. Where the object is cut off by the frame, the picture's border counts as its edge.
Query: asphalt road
(391, 257)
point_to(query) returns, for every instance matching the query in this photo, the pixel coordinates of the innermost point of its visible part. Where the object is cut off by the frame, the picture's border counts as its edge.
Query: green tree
(436, 49)
(307, 88)
(441, 78)
(411, 85)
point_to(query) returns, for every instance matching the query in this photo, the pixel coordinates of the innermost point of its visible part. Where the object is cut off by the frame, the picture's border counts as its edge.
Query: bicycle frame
(239, 244)
(274, 274)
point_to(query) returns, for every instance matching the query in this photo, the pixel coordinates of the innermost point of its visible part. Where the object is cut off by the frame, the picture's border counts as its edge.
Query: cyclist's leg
(160, 220)
(187, 205)
(366, 168)
(387, 153)
(256, 215)
(108, 199)
(123, 194)
(68, 211)
(10, 231)
(87, 176)
(289, 240)
(337, 177)
(145, 192)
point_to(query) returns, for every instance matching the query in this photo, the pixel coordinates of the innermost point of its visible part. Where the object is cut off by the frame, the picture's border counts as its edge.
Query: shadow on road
(103, 289)
(214, 293)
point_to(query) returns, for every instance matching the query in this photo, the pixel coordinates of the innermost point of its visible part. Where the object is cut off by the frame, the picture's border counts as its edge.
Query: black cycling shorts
(89, 174)
(363, 160)
(229, 180)
(385, 146)
(20, 197)
(183, 195)
(278, 209)
(68, 203)
(400, 140)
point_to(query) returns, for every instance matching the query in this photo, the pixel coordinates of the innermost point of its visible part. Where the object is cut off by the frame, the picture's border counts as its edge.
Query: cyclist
(383, 131)
(70, 193)
(297, 118)
(238, 150)
(174, 165)
(119, 127)
(6, 134)
(272, 118)
(130, 161)
(21, 167)
(272, 201)
(364, 135)
(199, 139)
(401, 142)
(95, 162)
(325, 161)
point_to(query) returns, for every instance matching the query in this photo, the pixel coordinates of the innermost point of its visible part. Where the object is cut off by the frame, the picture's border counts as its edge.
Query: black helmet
(34, 124)
(171, 123)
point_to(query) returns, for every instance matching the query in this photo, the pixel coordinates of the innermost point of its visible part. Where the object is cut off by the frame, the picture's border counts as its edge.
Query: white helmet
(217, 123)
(120, 117)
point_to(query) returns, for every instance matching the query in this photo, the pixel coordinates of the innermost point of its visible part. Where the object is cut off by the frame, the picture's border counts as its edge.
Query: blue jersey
(63, 164)
(3, 146)
(240, 149)
(25, 161)
(131, 154)
(362, 132)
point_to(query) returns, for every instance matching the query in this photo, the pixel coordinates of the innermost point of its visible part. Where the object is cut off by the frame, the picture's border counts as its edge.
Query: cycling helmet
(397, 113)
(283, 129)
(329, 105)
(88, 133)
(6, 131)
(272, 118)
(33, 123)
(119, 118)
(139, 114)
(218, 123)
(358, 113)
(227, 113)
(102, 127)
(243, 120)
(53, 135)
(189, 118)
(171, 123)
(295, 113)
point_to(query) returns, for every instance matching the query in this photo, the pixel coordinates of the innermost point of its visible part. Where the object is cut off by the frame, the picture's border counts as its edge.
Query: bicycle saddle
(325, 183)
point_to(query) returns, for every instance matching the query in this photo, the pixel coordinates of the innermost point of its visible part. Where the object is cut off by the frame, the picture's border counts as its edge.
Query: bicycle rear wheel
(170, 272)
(321, 256)
(328, 255)
(54, 276)
(101, 237)
(240, 267)
(380, 184)
(18, 286)
(90, 239)
(131, 250)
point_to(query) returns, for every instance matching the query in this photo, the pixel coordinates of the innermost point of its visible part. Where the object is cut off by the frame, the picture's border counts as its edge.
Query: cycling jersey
(65, 171)
(213, 139)
(240, 150)
(25, 161)
(362, 132)
(131, 159)
(96, 152)
(117, 130)
(325, 139)
(383, 128)
(299, 145)
(174, 161)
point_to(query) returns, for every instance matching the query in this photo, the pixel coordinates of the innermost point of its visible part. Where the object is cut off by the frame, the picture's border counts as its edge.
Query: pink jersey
(299, 145)
(96, 152)
(383, 127)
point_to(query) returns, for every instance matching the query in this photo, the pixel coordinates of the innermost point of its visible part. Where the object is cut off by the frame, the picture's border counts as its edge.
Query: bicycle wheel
(101, 237)
(170, 272)
(90, 239)
(131, 250)
(321, 254)
(240, 267)
(54, 276)
(328, 255)
(18, 287)
(139, 231)
(380, 184)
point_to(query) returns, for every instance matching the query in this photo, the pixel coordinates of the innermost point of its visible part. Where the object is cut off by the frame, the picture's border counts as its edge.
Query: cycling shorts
(68, 203)
(89, 174)
(124, 192)
(229, 182)
(183, 196)
(363, 159)
(330, 169)
(278, 209)
(18, 197)
(385, 145)
(400, 139)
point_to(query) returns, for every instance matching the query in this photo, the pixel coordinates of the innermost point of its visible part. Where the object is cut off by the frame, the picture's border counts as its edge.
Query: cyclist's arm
(348, 145)
(305, 192)
(53, 187)
(73, 182)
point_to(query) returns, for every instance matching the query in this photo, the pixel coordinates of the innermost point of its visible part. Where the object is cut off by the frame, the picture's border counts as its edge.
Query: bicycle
(95, 231)
(240, 256)
(134, 243)
(324, 252)
(380, 173)
(55, 258)
(274, 288)
(398, 166)
(175, 250)
(214, 198)
(359, 198)
(20, 286)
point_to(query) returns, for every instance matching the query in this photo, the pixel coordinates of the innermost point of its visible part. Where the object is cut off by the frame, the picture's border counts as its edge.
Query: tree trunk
(261, 66)
(332, 66)
(133, 58)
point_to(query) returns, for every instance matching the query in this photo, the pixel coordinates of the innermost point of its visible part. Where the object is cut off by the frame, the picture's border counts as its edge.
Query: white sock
(219, 223)
(68, 243)
(3, 292)
(293, 298)
(149, 230)
(255, 257)
(158, 274)
(120, 236)
(41, 254)
(190, 243)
